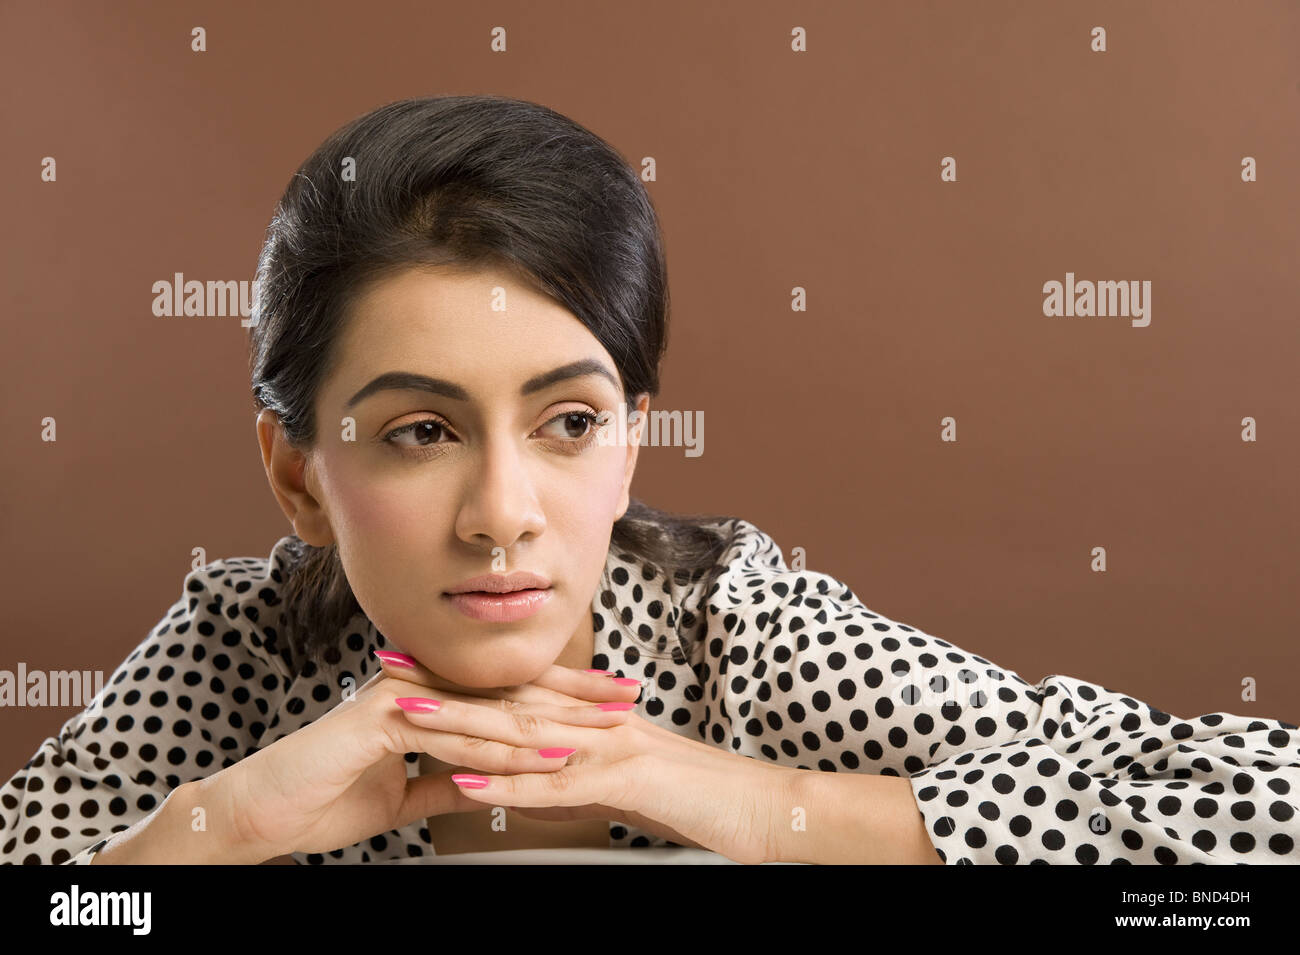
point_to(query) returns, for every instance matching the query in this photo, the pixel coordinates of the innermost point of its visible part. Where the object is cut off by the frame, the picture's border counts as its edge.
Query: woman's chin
(491, 674)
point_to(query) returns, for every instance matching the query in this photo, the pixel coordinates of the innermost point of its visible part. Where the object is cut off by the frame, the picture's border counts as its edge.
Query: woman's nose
(501, 502)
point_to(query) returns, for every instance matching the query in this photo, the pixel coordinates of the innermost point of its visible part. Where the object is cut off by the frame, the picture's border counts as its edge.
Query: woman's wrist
(194, 825)
(851, 818)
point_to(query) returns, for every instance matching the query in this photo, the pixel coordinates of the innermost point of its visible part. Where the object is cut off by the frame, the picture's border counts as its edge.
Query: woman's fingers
(609, 713)
(517, 740)
(404, 666)
(432, 794)
(555, 683)
(588, 685)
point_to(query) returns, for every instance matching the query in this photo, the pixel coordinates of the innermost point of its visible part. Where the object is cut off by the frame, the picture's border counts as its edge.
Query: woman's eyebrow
(411, 381)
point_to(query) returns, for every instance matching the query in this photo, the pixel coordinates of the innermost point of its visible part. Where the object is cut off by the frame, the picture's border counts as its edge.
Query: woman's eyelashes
(426, 432)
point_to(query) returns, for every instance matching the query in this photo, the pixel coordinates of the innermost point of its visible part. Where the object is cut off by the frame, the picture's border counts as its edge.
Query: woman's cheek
(384, 552)
(588, 511)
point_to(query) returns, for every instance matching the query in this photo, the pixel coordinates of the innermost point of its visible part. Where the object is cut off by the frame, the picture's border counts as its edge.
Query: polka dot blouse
(771, 663)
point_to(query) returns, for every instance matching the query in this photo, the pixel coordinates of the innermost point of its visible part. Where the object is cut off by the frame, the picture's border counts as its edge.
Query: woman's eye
(421, 430)
(573, 425)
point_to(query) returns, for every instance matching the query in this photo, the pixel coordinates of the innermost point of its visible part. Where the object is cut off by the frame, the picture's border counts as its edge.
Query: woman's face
(477, 461)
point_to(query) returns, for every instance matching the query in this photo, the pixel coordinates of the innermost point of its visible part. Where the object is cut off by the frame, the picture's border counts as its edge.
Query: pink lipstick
(500, 607)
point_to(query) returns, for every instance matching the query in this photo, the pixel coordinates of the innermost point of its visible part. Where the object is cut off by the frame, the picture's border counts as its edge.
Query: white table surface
(579, 856)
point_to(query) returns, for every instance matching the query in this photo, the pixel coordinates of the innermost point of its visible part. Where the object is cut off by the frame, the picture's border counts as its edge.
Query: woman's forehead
(400, 340)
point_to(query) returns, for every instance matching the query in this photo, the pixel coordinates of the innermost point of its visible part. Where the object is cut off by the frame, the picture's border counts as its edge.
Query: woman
(475, 639)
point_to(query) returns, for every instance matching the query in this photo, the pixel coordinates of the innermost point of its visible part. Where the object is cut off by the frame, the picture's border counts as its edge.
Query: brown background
(775, 170)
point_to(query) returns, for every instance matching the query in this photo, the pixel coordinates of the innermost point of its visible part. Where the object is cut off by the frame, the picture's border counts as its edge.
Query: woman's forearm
(176, 834)
(852, 818)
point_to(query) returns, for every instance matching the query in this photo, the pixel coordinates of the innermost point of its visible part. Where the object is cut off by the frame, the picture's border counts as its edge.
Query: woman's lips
(500, 608)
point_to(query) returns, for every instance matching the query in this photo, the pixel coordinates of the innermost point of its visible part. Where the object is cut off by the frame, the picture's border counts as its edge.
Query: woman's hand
(343, 777)
(632, 772)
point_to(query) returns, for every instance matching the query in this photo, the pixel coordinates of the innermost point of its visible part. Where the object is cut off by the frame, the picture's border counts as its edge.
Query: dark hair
(462, 181)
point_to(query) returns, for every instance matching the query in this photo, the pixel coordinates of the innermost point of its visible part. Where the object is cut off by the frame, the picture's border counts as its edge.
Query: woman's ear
(288, 473)
(636, 430)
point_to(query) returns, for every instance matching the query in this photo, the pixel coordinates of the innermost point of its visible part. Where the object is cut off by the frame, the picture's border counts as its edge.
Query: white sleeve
(1003, 771)
(189, 700)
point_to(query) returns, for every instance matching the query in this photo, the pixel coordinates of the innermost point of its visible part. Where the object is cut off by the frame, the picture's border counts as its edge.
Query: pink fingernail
(615, 706)
(556, 752)
(418, 704)
(396, 659)
(469, 781)
(626, 681)
(604, 672)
